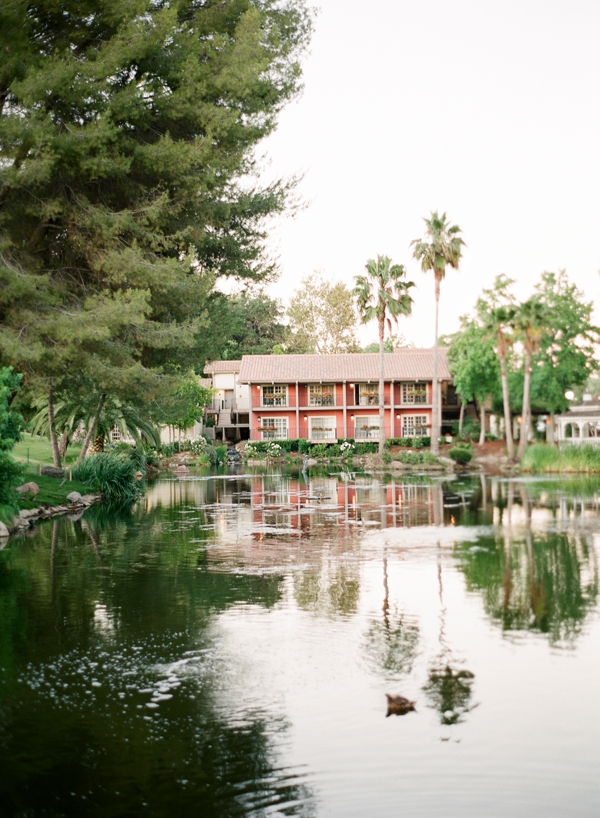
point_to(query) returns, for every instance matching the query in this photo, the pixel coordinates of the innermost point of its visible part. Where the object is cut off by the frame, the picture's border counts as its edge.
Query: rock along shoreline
(27, 517)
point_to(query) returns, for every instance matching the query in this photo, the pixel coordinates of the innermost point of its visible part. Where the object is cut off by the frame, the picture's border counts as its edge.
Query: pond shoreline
(26, 517)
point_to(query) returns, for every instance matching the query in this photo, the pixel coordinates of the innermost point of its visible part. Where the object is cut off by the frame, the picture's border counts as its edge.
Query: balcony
(321, 433)
(366, 433)
(273, 433)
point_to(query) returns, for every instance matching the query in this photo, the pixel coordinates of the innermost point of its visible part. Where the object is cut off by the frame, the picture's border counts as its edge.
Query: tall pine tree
(127, 130)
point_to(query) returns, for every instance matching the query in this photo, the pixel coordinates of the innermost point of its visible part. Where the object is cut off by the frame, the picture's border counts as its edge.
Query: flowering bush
(347, 448)
(261, 449)
(253, 451)
(198, 446)
(274, 450)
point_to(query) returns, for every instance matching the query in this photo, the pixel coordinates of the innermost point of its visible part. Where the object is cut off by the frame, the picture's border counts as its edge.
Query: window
(321, 394)
(275, 395)
(415, 425)
(115, 435)
(366, 427)
(367, 394)
(414, 393)
(274, 428)
(322, 429)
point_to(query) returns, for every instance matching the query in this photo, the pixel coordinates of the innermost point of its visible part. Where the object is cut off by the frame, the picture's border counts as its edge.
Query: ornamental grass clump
(541, 457)
(113, 474)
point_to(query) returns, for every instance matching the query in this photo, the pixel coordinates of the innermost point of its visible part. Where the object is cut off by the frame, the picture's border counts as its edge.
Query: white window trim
(272, 386)
(420, 429)
(372, 389)
(409, 400)
(372, 433)
(281, 431)
(320, 387)
(327, 430)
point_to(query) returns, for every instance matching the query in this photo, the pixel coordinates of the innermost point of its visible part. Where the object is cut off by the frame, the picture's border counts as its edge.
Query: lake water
(225, 649)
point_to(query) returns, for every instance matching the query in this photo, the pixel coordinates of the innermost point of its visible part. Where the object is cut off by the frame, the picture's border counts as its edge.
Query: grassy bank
(37, 450)
(541, 457)
(53, 492)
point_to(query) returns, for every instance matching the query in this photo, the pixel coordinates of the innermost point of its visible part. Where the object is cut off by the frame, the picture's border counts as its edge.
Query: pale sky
(486, 110)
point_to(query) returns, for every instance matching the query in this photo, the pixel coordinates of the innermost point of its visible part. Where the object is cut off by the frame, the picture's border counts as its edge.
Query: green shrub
(137, 455)
(11, 474)
(321, 450)
(220, 454)
(112, 473)
(410, 442)
(460, 454)
(7, 513)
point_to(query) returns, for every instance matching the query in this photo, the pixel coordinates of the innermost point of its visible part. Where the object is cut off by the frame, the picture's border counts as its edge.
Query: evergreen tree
(127, 132)
(11, 427)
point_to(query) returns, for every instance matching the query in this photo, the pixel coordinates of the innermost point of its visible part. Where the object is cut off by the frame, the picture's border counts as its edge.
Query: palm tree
(382, 295)
(496, 311)
(529, 322)
(439, 248)
(98, 415)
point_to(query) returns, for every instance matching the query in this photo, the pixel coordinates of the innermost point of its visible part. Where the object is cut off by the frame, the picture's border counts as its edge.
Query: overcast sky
(486, 110)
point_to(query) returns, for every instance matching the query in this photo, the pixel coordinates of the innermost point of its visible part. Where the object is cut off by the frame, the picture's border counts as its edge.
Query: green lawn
(35, 449)
(53, 492)
(33, 452)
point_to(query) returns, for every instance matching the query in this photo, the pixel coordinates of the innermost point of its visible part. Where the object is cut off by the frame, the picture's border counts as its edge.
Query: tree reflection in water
(535, 580)
(448, 690)
(391, 644)
(96, 612)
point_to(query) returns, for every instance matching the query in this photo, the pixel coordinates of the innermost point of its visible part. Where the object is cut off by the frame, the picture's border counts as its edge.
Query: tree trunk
(381, 388)
(510, 446)
(461, 416)
(98, 444)
(481, 423)
(56, 458)
(90, 432)
(550, 432)
(63, 443)
(526, 414)
(435, 429)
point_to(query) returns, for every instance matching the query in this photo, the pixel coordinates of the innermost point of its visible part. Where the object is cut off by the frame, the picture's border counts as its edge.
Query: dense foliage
(127, 132)
(112, 473)
(322, 317)
(11, 427)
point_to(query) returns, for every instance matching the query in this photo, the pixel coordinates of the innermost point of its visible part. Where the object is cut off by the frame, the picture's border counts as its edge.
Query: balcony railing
(323, 434)
(274, 434)
(234, 406)
(370, 433)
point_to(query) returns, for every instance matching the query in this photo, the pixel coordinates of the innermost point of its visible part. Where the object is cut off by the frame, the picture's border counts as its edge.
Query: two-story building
(324, 398)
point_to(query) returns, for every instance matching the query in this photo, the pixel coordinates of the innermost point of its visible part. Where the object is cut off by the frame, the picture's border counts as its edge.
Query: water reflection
(189, 653)
(391, 643)
(538, 571)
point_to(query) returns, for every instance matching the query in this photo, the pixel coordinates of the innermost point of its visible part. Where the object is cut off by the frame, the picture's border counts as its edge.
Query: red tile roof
(401, 365)
(222, 366)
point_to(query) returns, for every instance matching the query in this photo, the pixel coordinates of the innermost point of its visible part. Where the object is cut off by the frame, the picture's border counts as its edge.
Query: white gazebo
(581, 424)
